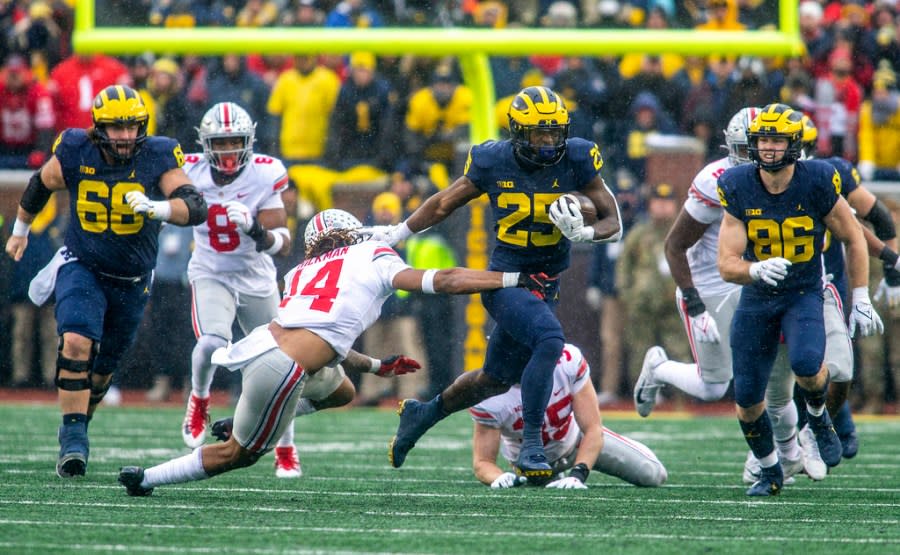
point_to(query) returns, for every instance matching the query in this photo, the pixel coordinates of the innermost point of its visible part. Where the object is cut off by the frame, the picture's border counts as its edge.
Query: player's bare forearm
(485, 446)
(457, 281)
(443, 203)
(685, 232)
(732, 242)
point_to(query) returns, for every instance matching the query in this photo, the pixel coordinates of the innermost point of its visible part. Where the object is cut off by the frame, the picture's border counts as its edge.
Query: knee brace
(86, 366)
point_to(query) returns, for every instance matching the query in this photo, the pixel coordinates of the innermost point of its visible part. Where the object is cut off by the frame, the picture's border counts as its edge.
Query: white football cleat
(813, 464)
(646, 389)
(287, 463)
(196, 421)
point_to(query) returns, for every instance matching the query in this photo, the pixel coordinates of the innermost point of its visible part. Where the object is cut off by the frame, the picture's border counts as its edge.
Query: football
(584, 205)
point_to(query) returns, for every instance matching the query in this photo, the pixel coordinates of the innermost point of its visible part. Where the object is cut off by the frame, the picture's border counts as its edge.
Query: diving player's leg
(213, 310)
(272, 385)
(630, 460)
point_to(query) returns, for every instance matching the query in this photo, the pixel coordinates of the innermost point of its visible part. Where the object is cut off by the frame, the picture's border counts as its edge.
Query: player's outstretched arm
(461, 281)
(485, 446)
(395, 365)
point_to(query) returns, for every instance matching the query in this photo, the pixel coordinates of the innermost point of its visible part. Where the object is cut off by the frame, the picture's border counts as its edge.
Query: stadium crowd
(383, 133)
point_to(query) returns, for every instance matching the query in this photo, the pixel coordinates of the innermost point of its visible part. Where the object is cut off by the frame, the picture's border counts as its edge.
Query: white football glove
(569, 482)
(390, 234)
(704, 328)
(155, 209)
(508, 480)
(565, 215)
(863, 315)
(239, 215)
(770, 271)
(888, 293)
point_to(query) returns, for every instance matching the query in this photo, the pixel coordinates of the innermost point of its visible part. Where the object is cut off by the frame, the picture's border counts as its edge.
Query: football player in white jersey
(329, 300)
(231, 270)
(707, 303)
(574, 436)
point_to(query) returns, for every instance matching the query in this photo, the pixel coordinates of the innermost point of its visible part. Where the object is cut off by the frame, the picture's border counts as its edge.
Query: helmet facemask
(736, 136)
(538, 126)
(122, 107)
(776, 120)
(227, 122)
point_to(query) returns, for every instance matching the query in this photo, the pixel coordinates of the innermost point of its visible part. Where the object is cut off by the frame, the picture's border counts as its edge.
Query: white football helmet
(325, 221)
(226, 120)
(736, 135)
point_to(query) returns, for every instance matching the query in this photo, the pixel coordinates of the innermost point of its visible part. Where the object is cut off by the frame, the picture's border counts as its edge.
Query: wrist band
(510, 279)
(277, 243)
(428, 282)
(580, 471)
(20, 228)
(376, 365)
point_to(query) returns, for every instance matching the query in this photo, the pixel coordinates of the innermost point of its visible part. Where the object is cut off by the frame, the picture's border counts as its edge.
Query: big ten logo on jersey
(263, 160)
(101, 207)
(192, 158)
(717, 173)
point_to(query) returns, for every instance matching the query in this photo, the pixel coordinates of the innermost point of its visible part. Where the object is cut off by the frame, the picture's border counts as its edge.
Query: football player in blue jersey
(777, 211)
(122, 185)
(526, 179)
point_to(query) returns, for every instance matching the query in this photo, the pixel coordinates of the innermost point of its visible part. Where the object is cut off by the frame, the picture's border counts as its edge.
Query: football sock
(287, 438)
(686, 377)
(758, 435)
(843, 421)
(784, 430)
(183, 469)
(800, 403)
(815, 400)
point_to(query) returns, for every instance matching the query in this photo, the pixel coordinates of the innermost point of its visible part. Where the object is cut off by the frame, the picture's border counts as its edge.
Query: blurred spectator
(269, 67)
(853, 32)
(34, 335)
(189, 13)
(713, 96)
(817, 37)
(721, 15)
(353, 13)
(650, 79)
(257, 13)
(437, 120)
(751, 87)
(670, 64)
(491, 14)
(560, 15)
(26, 117)
(360, 132)
(797, 90)
(169, 314)
(139, 66)
(76, 81)
(646, 286)
(879, 128)
(303, 99)
(645, 117)
(170, 114)
(584, 91)
(838, 99)
(229, 80)
(37, 35)
(509, 72)
(305, 13)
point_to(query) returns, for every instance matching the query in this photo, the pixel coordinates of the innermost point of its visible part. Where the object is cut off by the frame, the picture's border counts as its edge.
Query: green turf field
(350, 501)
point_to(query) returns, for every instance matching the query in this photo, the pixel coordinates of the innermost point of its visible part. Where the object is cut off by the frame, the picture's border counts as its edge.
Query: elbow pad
(196, 206)
(882, 221)
(36, 194)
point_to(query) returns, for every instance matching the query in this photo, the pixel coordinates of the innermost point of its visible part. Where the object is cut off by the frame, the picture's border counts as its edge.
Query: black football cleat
(131, 477)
